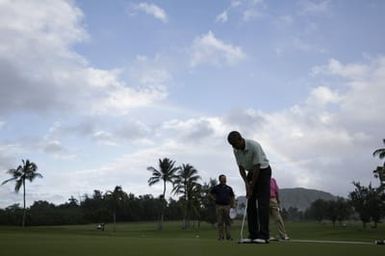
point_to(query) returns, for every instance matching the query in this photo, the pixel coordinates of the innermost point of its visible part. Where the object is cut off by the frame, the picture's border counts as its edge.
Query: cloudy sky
(96, 91)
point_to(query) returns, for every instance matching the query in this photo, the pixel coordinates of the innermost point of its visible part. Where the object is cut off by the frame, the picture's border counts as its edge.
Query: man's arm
(255, 173)
(232, 198)
(244, 177)
(243, 173)
(232, 202)
(276, 186)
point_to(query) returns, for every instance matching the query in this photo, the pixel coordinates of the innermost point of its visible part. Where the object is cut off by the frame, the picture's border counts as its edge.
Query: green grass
(144, 239)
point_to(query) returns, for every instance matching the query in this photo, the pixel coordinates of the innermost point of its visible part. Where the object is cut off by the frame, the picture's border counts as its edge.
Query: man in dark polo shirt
(224, 200)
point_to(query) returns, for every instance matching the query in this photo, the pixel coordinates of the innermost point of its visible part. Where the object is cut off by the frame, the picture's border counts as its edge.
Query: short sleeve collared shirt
(252, 155)
(274, 190)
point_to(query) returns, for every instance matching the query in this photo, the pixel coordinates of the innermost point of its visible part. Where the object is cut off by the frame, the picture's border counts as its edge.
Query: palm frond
(14, 178)
(18, 185)
(153, 180)
(33, 176)
(11, 171)
(380, 152)
(151, 169)
(26, 171)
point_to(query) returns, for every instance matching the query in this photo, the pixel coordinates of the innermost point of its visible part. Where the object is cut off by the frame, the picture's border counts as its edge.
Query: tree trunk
(114, 217)
(186, 220)
(24, 213)
(162, 207)
(161, 219)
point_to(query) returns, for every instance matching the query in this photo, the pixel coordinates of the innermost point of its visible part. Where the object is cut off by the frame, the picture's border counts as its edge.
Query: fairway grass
(144, 239)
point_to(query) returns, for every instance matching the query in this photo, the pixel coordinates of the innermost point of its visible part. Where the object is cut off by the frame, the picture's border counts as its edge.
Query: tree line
(102, 207)
(115, 205)
(364, 203)
(192, 204)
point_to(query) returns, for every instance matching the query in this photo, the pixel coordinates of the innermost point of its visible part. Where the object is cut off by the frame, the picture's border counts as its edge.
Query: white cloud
(324, 143)
(322, 95)
(332, 146)
(194, 130)
(251, 14)
(302, 45)
(311, 7)
(334, 67)
(120, 100)
(150, 72)
(235, 3)
(207, 49)
(153, 10)
(284, 21)
(365, 102)
(53, 146)
(222, 17)
(104, 137)
(7, 153)
(40, 70)
(247, 10)
(308, 145)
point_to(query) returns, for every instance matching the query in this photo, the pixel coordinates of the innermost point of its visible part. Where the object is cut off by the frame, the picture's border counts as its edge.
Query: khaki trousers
(276, 215)
(224, 221)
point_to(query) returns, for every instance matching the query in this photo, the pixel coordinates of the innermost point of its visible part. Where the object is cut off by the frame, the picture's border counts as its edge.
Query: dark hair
(233, 136)
(220, 176)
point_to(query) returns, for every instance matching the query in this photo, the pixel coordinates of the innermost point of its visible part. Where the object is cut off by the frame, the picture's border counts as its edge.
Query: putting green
(144, 239)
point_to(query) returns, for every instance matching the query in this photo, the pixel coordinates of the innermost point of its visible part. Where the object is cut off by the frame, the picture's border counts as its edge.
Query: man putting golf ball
(252, 159)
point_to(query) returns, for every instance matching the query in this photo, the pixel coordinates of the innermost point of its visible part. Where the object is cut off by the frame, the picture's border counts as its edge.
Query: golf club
(244, 240)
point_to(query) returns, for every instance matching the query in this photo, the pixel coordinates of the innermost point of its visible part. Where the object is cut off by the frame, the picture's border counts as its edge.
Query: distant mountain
(300, 198)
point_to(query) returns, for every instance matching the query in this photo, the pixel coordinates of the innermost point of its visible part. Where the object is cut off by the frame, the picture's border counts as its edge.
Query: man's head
(236, 140)
(222, 179)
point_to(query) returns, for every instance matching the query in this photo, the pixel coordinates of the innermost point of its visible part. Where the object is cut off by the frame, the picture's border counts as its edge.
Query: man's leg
(263, 197)
(227, 223)
(279, 221)
(281, 227)
(252, 215)
(221, 223)
(274, 210)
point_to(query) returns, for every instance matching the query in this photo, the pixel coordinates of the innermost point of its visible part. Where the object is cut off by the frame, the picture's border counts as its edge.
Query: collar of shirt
(243, 150)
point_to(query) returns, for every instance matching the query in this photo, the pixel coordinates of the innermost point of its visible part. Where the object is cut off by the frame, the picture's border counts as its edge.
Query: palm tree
(380, 171)
(208, 202)
(115, 198)
(166, 173)
(186, 184)
(26, 171)
(380, 152)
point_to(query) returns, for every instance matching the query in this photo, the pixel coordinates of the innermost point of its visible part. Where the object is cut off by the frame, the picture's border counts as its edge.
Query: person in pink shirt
(275, 210)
